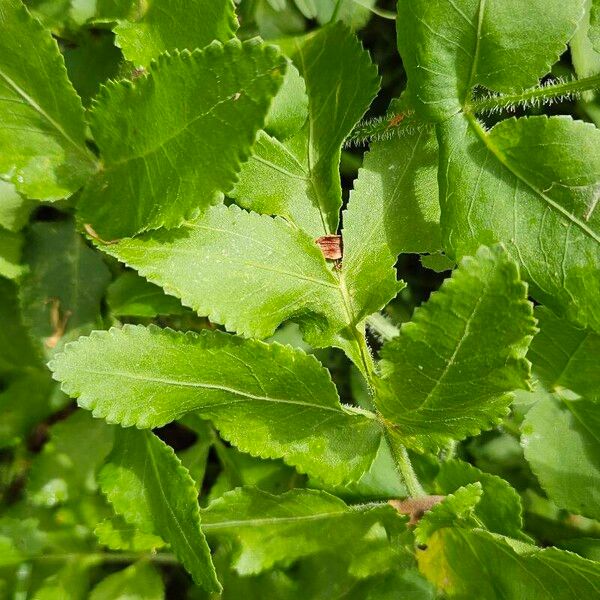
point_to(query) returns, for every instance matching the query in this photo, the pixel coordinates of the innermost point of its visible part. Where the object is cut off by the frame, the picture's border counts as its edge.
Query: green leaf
(299, 179)
(108, 11)
(565, 356)
(195, 458)
(397, 186)
(42, 132)
(157, 167)
(14, 209)
(272, 529)
(16, 347)
(437, 262)
(594, 31)
(247, 388)
(532, 184)
(251, 273)
(140, 581)
(382, 481)
(11, 244)
(62, 291)
(146, 484)
(117, 534)
(92, 61)
(20, 539)
(450, 47)
(499, 508)
(68, 17)
(393, 208)
(457, 509)
(355, 13)
(275, 270)
(586, 547)
(586, 60)
(154, 26)
(66, 467)
(132, 296)
(70, 581)
(289, 109)
(30, 389)
(478, 564)
(561, 441)
(450, 372)
(239, 469)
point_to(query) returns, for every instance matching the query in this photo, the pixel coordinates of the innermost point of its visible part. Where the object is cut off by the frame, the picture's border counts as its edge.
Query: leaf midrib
(31, 102)
(167, 504)
(214, 387)
(451, 361)
(499, 156)
(324, 214)
(475, 63)
(274, 520)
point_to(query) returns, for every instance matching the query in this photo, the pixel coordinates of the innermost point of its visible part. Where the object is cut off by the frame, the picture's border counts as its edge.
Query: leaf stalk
(545, 94)
(415, 490)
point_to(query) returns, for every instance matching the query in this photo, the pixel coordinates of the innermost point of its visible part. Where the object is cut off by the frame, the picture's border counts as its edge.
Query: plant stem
(415, 490)
(450, 450)
(383, 326)
(533, 96)
(109, 557)
(366, 358)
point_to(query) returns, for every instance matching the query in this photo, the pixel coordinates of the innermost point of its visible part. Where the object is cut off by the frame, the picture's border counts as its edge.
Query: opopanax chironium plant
(242, 357)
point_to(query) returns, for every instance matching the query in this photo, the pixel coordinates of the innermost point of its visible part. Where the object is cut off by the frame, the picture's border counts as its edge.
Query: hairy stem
(534, 96)
(398, 125)
(382, 326)
(415, 490)
(368, 364)
(450, 450)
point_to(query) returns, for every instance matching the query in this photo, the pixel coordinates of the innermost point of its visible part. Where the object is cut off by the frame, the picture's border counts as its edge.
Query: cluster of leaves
(254, 419)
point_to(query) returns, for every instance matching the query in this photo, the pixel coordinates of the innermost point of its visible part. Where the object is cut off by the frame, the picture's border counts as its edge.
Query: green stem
(450, 450)
(109, 557)
(366, 358)
(534, 96)
(415, 490)
(383, 326)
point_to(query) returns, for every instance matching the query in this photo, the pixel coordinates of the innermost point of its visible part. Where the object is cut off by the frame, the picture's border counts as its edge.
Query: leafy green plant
(223, 376)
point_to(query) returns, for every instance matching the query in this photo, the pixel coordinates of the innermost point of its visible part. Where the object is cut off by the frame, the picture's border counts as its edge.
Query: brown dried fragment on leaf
(58, 322)
(331, 246)
(416, 507)
(137, 72)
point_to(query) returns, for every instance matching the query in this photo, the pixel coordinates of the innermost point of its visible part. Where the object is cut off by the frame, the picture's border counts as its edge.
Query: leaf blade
(553, 196)
(271, 529)
(189, 372)
(163, 26)
(451, 385)
(146, 484)
(150, 176)
(449, 48)
(308, 163)
(42, 131)
(562, 446)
